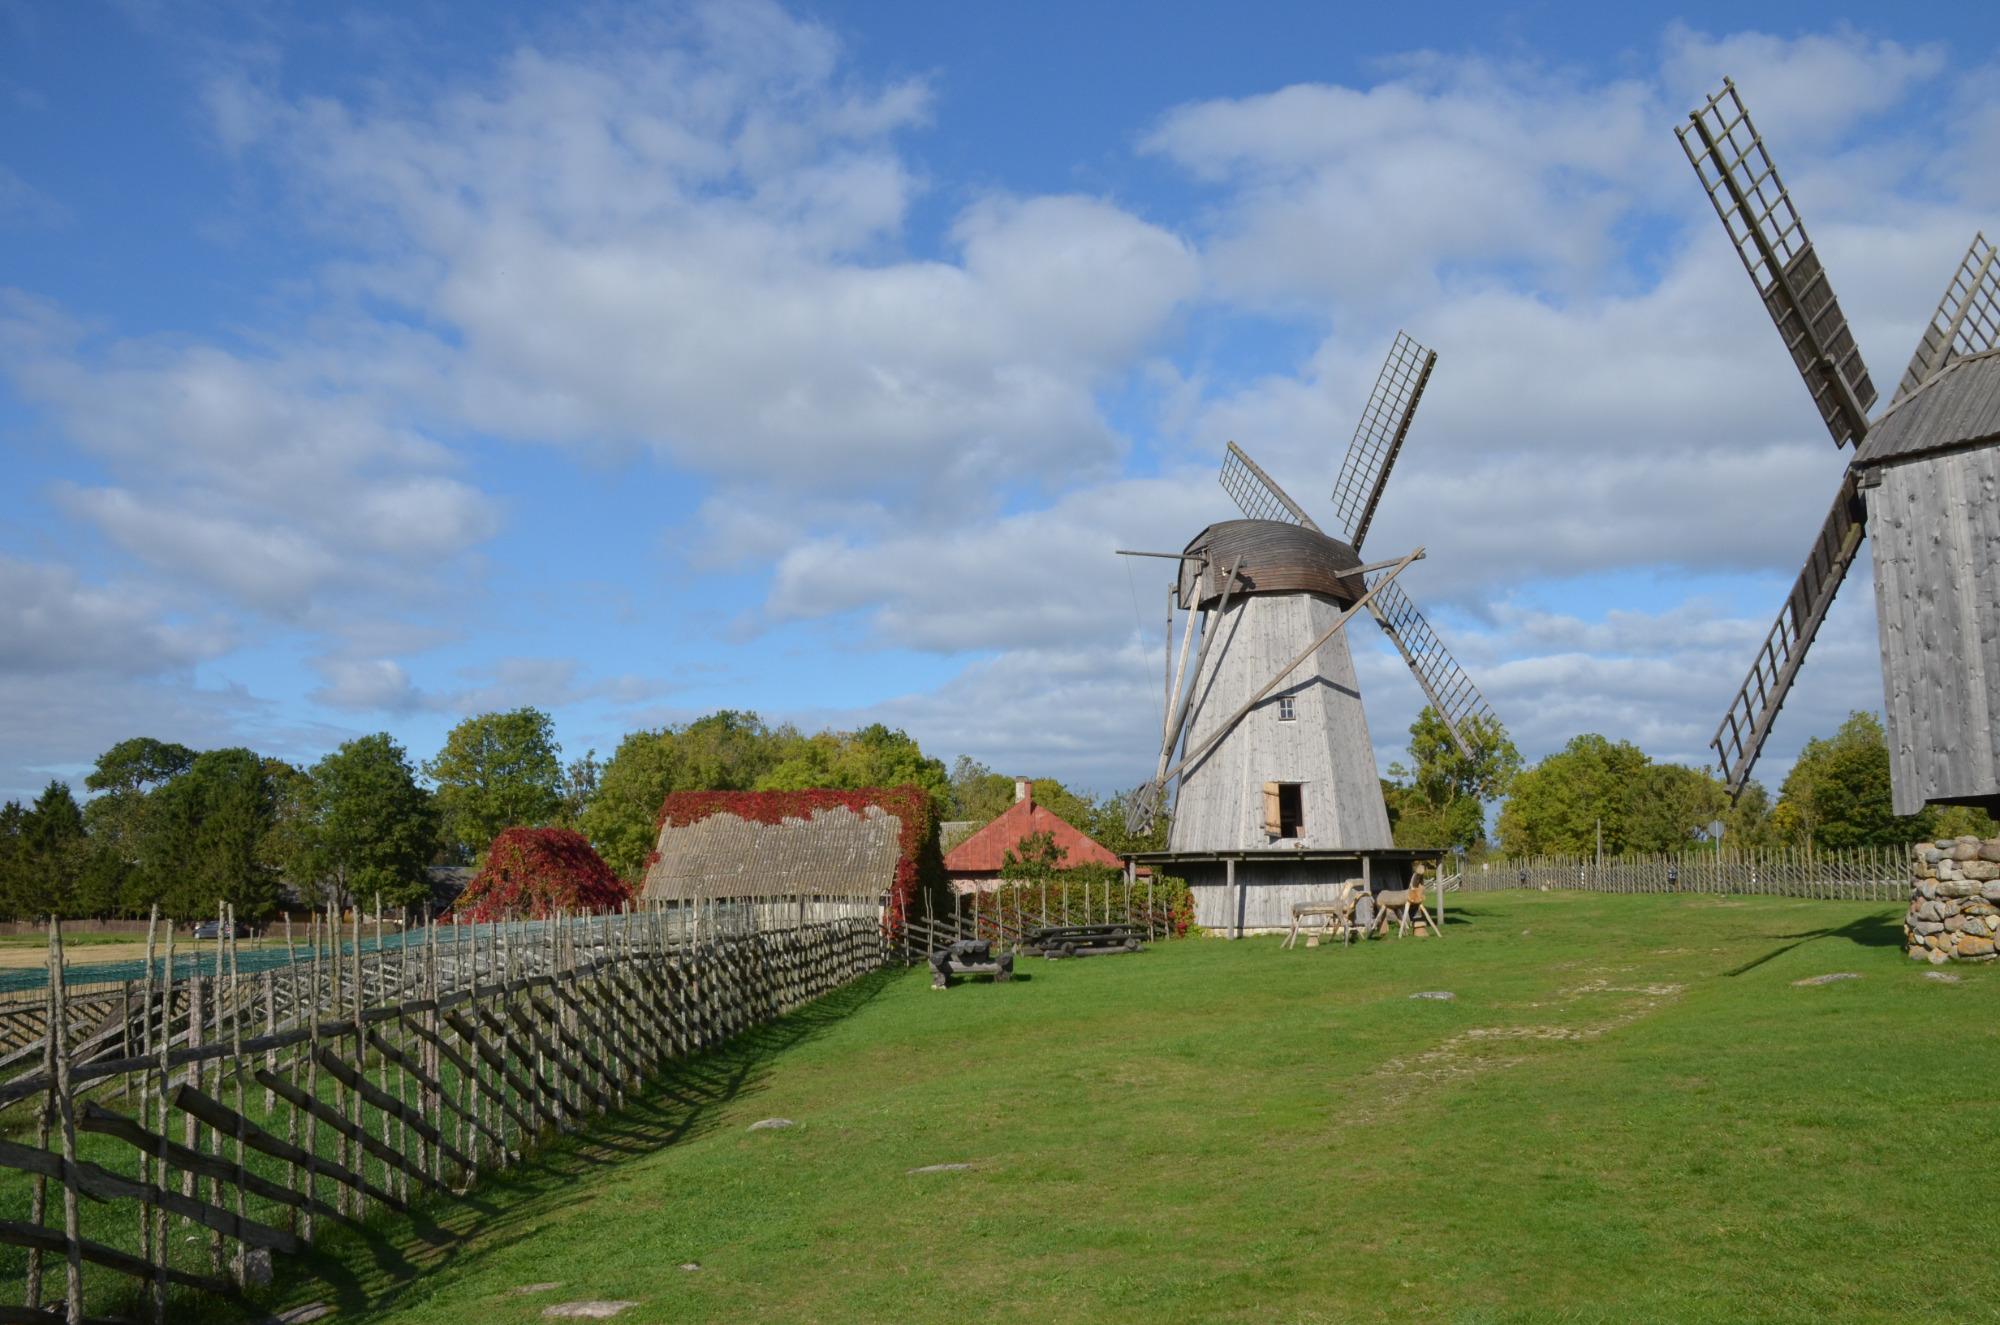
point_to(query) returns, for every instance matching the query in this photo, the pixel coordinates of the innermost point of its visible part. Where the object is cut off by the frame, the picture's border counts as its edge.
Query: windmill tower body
(1930, 474)
(1310, 733)
(1923, 485)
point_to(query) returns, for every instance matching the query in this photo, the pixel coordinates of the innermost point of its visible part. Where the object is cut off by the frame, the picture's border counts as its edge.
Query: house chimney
(1024, 790)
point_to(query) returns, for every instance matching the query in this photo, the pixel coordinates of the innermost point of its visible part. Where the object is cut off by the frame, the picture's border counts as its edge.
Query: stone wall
(1954, 900)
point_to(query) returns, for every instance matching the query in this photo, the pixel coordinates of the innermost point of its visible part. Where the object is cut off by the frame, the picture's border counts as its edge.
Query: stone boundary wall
(1954, 901)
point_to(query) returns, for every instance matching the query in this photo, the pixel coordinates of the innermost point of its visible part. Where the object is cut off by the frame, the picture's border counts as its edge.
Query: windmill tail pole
(1339, 623)
(1180, 671)
(1179, 722)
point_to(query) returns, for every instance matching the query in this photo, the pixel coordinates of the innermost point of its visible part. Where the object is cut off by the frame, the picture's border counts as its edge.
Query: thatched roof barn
(870, 844)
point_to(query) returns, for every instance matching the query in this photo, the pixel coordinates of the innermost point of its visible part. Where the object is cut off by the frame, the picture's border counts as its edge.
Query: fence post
(66, 1105)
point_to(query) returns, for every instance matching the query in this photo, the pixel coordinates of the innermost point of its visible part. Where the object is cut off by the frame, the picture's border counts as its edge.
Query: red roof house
(974, 864)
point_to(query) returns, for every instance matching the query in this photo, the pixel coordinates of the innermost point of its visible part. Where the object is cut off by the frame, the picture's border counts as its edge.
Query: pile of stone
(1954, 901)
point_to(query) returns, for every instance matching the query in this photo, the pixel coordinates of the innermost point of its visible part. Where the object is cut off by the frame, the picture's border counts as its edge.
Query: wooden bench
(1084, 940)
(970, 957)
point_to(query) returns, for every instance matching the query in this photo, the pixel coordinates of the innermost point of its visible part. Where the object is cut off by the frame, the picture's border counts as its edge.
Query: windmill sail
(1744, 728)
(1445, 684)
(1967, 320)
(1256, 494)
(1379, 436)
(1757, 211)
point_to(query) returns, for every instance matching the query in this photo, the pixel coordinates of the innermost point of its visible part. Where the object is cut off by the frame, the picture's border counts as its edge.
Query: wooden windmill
(1274, 746)
(1923, 483)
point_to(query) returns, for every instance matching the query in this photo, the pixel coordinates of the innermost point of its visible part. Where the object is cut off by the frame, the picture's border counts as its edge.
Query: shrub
(535, 872)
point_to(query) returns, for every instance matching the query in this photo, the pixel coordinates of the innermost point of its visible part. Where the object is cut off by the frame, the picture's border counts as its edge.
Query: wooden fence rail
(236, 1116)
(1861, 874)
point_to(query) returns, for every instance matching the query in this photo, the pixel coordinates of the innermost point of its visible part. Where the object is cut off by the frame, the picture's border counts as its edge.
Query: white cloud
(382, 685)
(50, 621)
(696, 247)
(256, 477)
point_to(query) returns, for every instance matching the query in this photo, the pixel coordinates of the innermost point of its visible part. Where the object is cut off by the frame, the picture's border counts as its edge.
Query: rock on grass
(594, 1310)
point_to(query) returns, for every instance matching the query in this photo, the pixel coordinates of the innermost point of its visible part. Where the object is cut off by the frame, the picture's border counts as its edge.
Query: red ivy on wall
(917, 841)
(535, 872)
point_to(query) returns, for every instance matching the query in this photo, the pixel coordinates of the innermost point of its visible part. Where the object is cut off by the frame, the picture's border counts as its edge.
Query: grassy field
(1629, 1112)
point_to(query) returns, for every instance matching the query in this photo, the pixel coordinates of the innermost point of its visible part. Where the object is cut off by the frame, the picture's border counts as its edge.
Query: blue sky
(364, 367)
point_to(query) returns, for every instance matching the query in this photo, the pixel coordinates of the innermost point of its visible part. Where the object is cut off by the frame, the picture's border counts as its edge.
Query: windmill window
(1288, 710)
(1284, 809)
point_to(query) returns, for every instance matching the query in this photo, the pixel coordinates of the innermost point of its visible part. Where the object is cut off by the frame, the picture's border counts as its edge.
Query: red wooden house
(974, 864)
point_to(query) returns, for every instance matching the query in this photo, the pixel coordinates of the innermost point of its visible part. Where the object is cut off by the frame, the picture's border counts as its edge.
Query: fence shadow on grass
(678, 1105)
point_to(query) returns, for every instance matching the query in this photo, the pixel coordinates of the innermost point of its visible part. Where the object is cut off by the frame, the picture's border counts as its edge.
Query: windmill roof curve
(1272, 557)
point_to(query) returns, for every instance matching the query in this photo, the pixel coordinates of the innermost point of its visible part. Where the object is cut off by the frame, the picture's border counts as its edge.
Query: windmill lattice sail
(1744, 728)
(1967, 321)
(1770, 238)
(1445, 684)
(1255, 493)
(1379, 436)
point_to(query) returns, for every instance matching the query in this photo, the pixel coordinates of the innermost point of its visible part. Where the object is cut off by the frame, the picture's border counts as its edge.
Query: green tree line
(186, 829)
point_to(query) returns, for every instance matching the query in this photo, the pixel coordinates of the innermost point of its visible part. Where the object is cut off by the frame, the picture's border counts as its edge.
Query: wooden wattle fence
(230, 1118)
(1006, 914)
(1858, 874)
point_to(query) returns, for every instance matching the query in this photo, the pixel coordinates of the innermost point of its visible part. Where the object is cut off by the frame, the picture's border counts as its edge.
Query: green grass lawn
(1628, 1113)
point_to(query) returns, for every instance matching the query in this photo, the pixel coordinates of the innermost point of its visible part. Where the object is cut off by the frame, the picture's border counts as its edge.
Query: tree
(1440, 800)
(1078, 810)
(123, 779)
(729, 750)
(875, 756)
(206, 838)
(1107, 825)
(1557, 805)
(579, 783)
(496, 770)
(1838, 795)
(139, 764)
(725, 751)
(1747, 825)
(978, 794)
(371, 830)
(49, 855)
(1673, 807)
(12, 816)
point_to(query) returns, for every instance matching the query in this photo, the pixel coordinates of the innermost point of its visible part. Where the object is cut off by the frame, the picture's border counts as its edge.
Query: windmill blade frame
(1444, 683)
(1764, 226)
(1256, 493)
(1378, 437)
(1747, 724)
(1967, 320)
